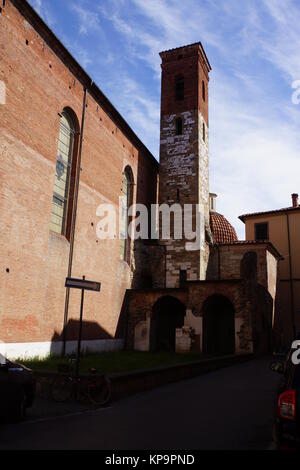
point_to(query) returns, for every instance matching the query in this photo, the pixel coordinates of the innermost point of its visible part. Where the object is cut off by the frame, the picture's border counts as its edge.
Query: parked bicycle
(66, 386)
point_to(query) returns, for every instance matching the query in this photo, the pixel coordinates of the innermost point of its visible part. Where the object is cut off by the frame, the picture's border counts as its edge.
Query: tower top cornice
(185, 52)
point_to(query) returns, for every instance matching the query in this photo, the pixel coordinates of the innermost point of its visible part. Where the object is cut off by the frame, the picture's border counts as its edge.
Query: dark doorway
(167, 314)
(218, 326)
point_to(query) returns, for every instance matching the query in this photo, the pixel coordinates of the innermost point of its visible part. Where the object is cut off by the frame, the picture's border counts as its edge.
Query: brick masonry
(34, 261)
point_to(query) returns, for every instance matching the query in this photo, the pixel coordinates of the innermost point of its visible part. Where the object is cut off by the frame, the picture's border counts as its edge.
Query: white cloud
(42, 9)
(88, 19)
(170, 25)
(82, 54)
(142, 112)
(254, 158)
(37, 4)
(283, 44)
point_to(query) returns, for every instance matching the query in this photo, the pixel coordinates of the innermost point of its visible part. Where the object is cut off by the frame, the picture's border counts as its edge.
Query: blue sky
(253, 47)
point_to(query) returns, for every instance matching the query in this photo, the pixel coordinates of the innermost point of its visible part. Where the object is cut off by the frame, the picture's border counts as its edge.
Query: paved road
(228, 409)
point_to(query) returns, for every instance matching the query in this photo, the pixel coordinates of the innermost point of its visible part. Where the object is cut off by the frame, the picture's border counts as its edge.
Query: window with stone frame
(61, 209)
(126, 201)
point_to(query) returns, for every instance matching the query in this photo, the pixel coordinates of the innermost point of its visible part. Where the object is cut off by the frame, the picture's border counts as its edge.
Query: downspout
(74, 215)
(165, 267)
(293, 313)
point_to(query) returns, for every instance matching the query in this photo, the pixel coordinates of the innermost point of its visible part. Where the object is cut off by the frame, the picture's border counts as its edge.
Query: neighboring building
(282, 228)
(64, 149)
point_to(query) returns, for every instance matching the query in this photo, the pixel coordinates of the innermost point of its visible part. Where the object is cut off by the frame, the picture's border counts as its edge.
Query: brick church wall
(41, 79)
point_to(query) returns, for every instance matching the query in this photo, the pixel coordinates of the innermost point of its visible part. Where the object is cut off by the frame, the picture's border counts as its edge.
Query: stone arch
(218, 325)
(167, 315)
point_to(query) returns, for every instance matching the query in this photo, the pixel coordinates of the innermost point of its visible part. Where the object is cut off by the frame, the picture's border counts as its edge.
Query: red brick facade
(191, 63)
(41, 79)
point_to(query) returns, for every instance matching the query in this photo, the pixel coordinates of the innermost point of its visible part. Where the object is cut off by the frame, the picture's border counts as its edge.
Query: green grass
(110, 362)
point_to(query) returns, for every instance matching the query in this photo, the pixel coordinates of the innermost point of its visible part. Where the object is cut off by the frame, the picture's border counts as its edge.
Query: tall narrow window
(60, 204)
(203, 91)
(178, 126)
(203, 132)
(179, 88)
(126, 201)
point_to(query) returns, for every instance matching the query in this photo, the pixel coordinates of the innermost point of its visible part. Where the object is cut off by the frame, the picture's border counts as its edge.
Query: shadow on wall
(94, 338)
(148, 255)
(262, 308)
(218, 326)
(261, 302)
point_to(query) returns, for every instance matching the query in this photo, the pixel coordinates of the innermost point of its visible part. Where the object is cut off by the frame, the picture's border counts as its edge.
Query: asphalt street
(228, 409)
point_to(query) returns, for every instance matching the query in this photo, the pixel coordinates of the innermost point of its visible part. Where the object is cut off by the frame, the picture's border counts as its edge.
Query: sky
(253, 47)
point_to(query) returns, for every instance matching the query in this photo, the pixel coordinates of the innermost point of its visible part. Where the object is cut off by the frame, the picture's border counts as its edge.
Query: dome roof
(222, 230)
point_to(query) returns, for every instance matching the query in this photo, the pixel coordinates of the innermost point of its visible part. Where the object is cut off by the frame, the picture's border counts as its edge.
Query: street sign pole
(79, 334)
(83, 285)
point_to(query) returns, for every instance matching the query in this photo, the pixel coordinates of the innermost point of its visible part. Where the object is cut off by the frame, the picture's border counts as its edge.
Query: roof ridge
(274, 211)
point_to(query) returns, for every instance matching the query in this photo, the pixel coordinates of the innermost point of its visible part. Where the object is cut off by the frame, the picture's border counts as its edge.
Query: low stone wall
(129, 383)
(139, 381)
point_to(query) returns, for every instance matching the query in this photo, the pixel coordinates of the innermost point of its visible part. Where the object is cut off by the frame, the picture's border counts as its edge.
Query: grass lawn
(121, 361)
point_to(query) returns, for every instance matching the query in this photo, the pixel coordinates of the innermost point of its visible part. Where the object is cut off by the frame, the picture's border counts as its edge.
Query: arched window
(203, 91)
(179, 88)
(178, 126)
(127, 201)
(61, 211)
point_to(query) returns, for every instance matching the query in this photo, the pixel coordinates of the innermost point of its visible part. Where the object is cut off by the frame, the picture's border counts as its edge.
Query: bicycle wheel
(99, 391)
(61, 389)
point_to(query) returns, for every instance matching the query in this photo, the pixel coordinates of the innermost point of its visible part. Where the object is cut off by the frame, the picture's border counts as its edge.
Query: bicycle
(95, 387)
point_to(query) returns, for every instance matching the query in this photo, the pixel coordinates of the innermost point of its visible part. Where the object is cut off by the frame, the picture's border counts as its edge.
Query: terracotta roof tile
(222, 230)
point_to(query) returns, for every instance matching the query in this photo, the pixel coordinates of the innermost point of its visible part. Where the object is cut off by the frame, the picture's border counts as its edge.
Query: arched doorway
(167, 315)
(218, 326)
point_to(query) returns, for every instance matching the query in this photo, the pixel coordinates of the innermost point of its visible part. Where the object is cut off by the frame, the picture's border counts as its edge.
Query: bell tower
(184, 156)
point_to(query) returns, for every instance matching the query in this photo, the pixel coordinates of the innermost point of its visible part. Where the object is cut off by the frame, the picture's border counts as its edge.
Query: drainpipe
(165, 267)
(74, 215)
(293, 313)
